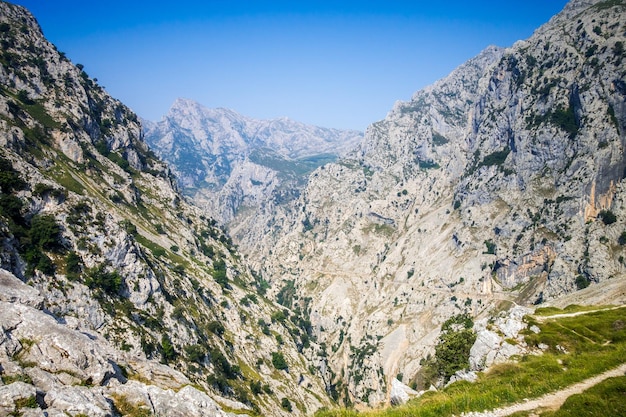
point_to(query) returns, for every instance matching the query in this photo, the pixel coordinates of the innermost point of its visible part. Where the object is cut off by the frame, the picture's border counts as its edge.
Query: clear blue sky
(329, 63)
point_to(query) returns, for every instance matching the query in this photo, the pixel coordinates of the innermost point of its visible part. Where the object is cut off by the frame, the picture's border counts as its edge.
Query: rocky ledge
(47, 364)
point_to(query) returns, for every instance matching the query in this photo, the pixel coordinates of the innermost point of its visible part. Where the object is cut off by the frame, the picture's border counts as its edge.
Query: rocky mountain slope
(231, 164)
(502, 183)
(116, 296)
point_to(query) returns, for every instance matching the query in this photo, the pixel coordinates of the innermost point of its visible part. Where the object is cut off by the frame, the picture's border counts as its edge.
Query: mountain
(116, 296)
(231, 164)
(496, 189)
(501, 184)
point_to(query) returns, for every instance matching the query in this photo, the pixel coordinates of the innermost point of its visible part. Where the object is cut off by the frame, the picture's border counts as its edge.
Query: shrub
(439, 139)
(99, 278)
(9, 178)
(222, 366)
(216, 327)
(607, 216)
(491, 247)
(622, 238)
(219, 382)
(45, 233)
(256, 387)
(11, 207)
(195, 353)
(286, 294)
(286, 404)
(496, 158)
(566, 120)
(453, 348)
(219, 273)
(582, 282)
(41, 189)
(167, 349)
(129, 227)
(279, 362)
(23, 96)
(278, 316)
(29, 402)
(73, 266)
(36, 259)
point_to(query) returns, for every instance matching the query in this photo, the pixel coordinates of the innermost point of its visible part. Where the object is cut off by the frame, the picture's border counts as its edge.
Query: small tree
(582, 282)
(452, 350)
(167, 349)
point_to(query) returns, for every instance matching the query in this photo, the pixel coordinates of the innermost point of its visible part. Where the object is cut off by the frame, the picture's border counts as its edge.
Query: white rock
(13, 290)
(400, 393)
(463, 375)
(13, 392)
(78, 400)
(483, 351)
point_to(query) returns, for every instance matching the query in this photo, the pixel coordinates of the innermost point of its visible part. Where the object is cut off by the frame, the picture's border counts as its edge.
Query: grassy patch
(127, 408)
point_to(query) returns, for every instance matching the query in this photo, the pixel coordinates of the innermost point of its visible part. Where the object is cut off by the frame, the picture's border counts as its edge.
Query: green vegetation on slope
(576, 348)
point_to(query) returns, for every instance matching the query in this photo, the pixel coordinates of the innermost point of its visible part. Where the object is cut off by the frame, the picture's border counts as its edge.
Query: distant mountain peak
(221, 150)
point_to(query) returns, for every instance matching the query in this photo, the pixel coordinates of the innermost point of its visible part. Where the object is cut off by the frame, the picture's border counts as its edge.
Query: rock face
(497, 341)
(232, 164)
(54, 359)
(501, 183)
(116, 296)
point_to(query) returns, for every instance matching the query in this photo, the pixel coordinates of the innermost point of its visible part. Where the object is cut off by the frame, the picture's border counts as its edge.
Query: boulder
(12, 393)
(400, 393)
(13, 290)
(78, 400)
(188, 401)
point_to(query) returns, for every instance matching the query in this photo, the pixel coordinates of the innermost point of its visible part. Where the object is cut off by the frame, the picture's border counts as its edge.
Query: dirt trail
(554, 400)
(578, 313)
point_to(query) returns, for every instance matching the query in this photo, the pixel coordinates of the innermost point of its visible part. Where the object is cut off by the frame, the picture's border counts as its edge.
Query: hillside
(502, 183)
(117, 297)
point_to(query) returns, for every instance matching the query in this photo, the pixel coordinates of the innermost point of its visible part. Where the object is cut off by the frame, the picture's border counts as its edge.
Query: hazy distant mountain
(237, 160)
